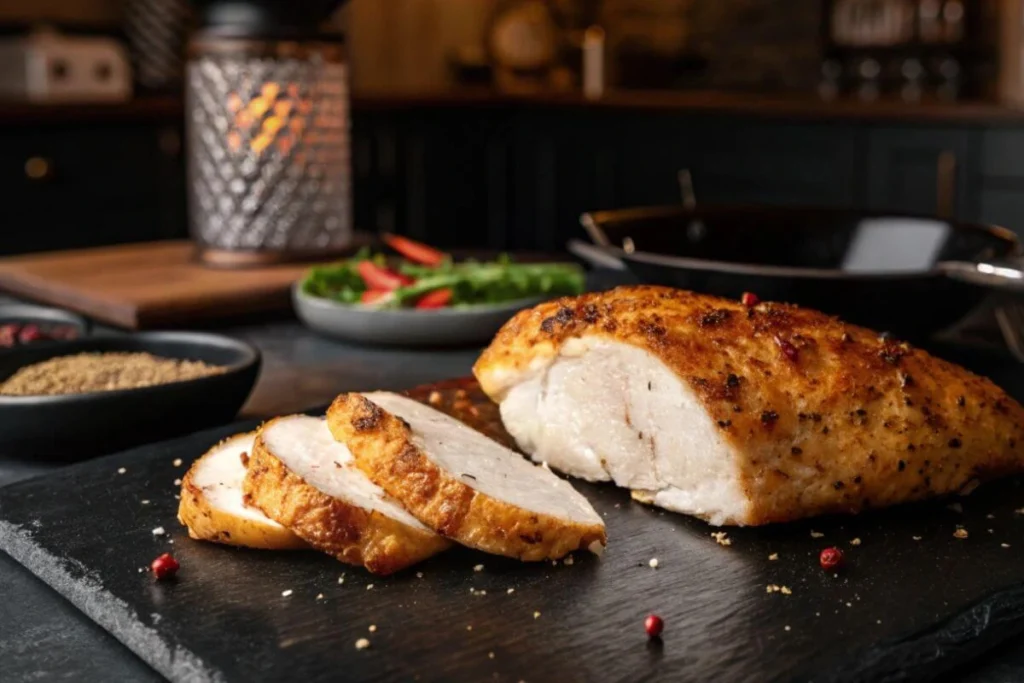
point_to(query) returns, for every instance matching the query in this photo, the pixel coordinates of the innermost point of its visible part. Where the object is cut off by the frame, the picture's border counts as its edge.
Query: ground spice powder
(88, 372)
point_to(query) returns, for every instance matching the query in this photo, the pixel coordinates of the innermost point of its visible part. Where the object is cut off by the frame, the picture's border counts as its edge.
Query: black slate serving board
(912, 603)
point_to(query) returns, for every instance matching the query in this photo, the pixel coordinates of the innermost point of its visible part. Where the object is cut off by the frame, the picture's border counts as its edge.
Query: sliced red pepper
(372, 295)
(377, 277)
(417, 252)
(439, 298)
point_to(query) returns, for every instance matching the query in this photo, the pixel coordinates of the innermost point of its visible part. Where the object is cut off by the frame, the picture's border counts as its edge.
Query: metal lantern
(268, 144)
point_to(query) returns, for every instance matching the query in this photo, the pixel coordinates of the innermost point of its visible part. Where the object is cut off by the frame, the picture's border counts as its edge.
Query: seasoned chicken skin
(742, 415)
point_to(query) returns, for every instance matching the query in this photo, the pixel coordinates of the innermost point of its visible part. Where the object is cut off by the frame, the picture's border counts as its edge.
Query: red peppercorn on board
(921, 589)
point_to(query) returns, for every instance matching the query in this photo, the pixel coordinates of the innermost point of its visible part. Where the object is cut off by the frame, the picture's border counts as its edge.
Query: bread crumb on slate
(916, 538)
(478, 568)
(121, 470)
(568, 560)
(1004, 545)
(849, 604)
(369, 586)
(773, 588)
(319, 596)
(341, 579)
(159, 531)
(817, 534)
(787, 628)
(536, 615)
(177, 497)
(287, 593)
(990, 516)
(510, 591)
(855, 541)
(362, 644)
(773, 557)
(419, 575)
(469, 627)
(785, 590)
(1019, 511)
(177, 482)
(372, 628)
(960, 533)
(721, 538)
(490, 655)
(653, 563)
(144, 502)
(176, 462)
(991, 531)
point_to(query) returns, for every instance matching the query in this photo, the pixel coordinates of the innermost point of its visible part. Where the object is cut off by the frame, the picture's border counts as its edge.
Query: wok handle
(599, 257)
(594, 231)
(1005, 275)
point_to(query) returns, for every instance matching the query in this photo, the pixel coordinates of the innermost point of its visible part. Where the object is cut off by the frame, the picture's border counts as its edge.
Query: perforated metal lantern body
(268, 144)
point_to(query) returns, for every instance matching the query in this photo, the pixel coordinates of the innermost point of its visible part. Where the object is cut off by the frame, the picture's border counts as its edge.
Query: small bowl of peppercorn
(23, 324)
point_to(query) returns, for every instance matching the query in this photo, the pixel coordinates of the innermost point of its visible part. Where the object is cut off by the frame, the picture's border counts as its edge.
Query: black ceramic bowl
(77, 426)
(44, 317)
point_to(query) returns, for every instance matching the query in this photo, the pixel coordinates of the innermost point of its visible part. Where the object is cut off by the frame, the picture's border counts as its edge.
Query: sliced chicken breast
(211, 501)
(742, 415)
(461, 483)
(305, 480)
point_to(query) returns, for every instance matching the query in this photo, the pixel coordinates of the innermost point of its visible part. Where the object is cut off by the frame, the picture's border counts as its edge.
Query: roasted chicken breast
(462, 484)
(742, 415)
(305, 480)
(212, 506)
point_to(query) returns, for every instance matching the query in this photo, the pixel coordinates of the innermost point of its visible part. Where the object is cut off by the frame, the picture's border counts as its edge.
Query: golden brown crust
(207, 523)
(350, 533)
(829, 417)
(383, 448)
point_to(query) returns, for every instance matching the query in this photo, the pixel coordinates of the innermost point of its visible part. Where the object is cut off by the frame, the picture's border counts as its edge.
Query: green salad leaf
(471, 282)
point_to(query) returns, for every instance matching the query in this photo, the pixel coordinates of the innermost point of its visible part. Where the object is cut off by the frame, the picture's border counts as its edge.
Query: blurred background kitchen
(495, 123)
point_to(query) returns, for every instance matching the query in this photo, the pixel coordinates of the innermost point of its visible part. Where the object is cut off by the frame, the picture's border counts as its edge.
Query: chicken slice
(742, 415)
(305, 480)
(211, 501)
(461, 483)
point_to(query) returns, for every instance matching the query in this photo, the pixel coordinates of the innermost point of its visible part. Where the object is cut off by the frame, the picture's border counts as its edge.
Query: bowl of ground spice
(76, 399)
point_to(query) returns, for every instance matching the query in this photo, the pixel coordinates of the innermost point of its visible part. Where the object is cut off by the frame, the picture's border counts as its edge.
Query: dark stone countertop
(43, 637)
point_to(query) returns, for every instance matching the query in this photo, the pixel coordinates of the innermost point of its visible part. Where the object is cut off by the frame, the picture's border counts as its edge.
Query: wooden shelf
(164, 109)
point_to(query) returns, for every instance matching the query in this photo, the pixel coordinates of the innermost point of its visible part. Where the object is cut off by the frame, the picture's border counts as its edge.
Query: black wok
(910, 275)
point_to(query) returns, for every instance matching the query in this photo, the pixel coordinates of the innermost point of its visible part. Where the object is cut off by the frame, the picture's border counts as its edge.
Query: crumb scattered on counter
(653, 563)
(855, 541)
(990, 516)
(176, 462)
(568, 560)
(490, 655)
(177, 482)
(159, 531)
(372, 628)
(536, 615)
(121, 470)
(510, 591)
(362, 644)
(144, 502)
(916, 538)
(773, 588)
(478, 568)
(960, 533)
(369, 586)
(287, 593)
(419, 575)
(319, 596)
(721, 538)
(1004, 545)
(787, 628)
(773, 557)
(817, 534)
(1019, 511)
(341, 579)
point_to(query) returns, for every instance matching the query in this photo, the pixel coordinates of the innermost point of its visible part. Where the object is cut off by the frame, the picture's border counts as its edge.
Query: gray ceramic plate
(406, 327)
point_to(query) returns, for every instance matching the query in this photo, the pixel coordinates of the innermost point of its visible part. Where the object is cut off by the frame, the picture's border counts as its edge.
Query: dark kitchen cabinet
(73, 186)
(924, 170)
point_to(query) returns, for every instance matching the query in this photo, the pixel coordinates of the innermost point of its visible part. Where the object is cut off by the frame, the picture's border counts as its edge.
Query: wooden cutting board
(912, 602)
(143, 286)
